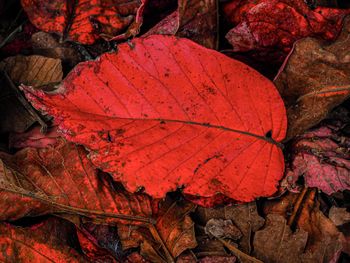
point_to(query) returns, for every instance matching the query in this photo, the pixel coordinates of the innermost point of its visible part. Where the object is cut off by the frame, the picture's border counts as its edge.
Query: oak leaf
(169, 111)
(314, 80)
(86, 21)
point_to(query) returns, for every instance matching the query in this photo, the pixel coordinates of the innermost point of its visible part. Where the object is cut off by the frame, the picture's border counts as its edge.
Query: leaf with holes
(61, 179)
(164, 112)
(86, 21)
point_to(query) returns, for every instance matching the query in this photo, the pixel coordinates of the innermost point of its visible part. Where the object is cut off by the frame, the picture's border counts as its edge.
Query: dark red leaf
(85, 21)
(46, 242)
(270, 27)
(163, 112)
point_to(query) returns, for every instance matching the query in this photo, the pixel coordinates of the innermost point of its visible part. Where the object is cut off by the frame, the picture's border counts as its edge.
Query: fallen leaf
(86, 21)
(322, 157)
(220, 228)
(188, 117)
(33, 70)
(277, 243)
(61, 179)
(244, 216)
(218, 259)
(324, 240)
(196, 20)
(339, 215)
(46, 242)
(314, 80)
(47, 45)
(172, 233)
(269, 28)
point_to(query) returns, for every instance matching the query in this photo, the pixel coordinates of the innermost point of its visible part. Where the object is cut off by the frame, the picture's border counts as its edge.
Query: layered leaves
(166, 110)
(61, 179)
(86, 21)
(269, 28)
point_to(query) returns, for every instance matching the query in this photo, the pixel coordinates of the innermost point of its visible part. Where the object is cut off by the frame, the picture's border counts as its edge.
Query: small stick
(239, 253)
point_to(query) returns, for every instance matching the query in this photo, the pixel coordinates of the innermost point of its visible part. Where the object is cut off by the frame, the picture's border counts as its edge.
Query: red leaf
(164, 112)
(46, 242)
(61, 179)
(270, 27)
(85, 21)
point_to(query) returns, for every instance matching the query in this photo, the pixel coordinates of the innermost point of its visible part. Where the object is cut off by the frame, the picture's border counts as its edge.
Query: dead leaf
(220, 228)
(189, 117)
(33, 70)
(339, 215)
(47, 45)
(61, 179)
(322, 157)
(244, 216)
(86, 21)
(46, 242)
(314, 80)
(269, 28)
(218, 259)
(196, 20)
(324, 241)
(277, 243)
(172, 234)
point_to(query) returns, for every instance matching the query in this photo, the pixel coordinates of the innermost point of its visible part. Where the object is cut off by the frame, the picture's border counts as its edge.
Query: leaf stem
(239, 253)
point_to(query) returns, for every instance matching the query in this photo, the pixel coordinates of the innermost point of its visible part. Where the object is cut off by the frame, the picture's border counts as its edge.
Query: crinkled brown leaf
(277, 243)
(47, 45)
(174, 228)
(196, 20)
(33, 70)
(315, 79)
(46, 242)
(339, 215)
(324, 241)
(244, 216)
(61, 179)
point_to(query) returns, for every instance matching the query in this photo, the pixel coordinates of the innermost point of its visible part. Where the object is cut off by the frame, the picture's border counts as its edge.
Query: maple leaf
(61, 179)
(86, 21)
(314, 80)
(169, 111)
(46, 242)
(196, 20)
(270, 27)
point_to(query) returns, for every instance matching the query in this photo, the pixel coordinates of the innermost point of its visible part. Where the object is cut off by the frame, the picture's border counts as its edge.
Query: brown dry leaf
(315, 79)
(276, 242)
(33, 70)
(195, 19)
(220, 228)
(339, 215)
(244, 216)
(47, 45)
(324, 241)
(174, 228)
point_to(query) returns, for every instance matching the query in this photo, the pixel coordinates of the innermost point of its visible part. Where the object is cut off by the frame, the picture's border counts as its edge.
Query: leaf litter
(164, 150)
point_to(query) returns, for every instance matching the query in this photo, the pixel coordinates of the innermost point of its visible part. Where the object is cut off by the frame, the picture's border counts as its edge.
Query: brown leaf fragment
(244, 216)
(196, 20)
(172, 234)
(277, 243)
(314, 79)
(218, 259)
(339, 215)
(220, 228)
(33, 70)
(47, 45)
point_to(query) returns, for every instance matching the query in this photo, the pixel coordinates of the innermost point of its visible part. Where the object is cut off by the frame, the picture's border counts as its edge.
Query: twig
(297, 206)
(237, 252)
